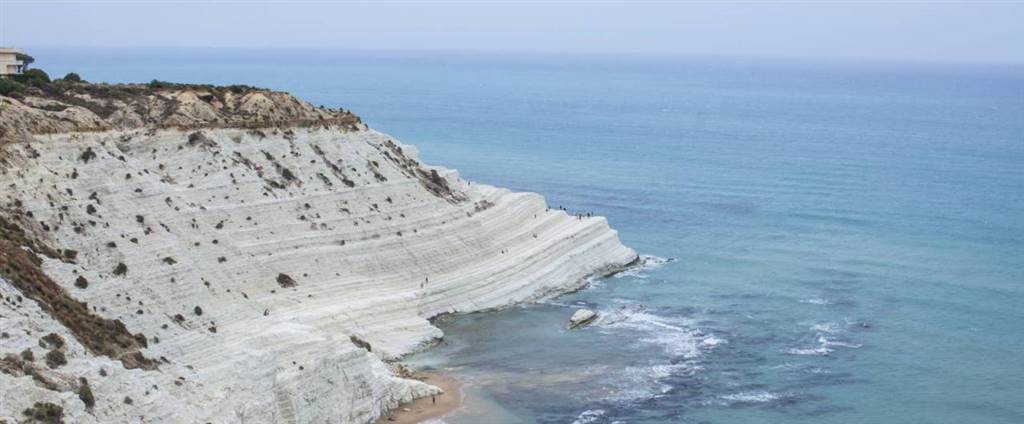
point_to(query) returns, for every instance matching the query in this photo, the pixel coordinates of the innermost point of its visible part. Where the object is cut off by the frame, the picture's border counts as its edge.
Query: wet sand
(425, 408)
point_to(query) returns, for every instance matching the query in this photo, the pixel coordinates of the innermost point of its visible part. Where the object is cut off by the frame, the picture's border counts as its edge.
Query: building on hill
(11, 61)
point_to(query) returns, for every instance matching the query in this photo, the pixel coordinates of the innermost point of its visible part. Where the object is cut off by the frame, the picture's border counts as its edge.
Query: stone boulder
(581, 318)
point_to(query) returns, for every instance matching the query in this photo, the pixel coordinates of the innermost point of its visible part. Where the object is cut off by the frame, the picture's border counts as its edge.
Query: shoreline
(452, 397)
(422, 409)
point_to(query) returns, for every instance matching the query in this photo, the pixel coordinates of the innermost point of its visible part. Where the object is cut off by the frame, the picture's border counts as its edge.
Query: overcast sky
(947, 31)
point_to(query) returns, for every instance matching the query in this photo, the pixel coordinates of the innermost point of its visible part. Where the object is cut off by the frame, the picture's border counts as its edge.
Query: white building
(9, 62)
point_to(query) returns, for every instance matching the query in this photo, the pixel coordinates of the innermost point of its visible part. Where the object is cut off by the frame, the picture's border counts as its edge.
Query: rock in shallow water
(582, 318)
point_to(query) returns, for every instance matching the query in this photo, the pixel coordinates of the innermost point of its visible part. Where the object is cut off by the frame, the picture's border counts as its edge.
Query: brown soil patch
(99, 335)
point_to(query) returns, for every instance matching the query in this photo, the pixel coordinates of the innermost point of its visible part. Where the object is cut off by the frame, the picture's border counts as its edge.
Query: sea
(822, 241)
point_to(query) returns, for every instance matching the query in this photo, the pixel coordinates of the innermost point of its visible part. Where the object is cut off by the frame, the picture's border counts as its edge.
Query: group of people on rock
(579, 216)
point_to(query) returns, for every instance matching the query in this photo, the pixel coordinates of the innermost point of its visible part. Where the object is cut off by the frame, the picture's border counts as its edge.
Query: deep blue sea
(827, 242)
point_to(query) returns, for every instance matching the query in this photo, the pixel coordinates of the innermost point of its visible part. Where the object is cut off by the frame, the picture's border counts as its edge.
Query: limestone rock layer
(269, 275)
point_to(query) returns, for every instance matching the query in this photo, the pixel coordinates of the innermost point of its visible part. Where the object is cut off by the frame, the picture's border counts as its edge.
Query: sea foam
(645, 264)
(589, 416)
(674, 335)
(759, 396)
(825, 346)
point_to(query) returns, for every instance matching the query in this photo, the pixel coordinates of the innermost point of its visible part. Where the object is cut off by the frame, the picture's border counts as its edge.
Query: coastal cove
(821, 242)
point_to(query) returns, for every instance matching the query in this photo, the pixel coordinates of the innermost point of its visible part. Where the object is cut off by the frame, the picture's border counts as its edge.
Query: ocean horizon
(822, 241)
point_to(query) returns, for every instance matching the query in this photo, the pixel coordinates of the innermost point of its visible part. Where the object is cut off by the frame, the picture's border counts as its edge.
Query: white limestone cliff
(272, 273)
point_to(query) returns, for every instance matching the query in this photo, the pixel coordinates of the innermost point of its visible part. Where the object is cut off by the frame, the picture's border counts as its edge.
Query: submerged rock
(581, 318)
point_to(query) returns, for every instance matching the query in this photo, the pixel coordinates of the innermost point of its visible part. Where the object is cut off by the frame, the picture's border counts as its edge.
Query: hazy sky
(948, 31)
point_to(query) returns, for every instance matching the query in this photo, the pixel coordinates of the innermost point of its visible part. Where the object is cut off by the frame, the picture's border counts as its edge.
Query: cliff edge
(186, 253)
(42, 107)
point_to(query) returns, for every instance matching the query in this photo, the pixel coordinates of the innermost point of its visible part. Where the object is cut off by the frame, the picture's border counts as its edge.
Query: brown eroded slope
(66, 106)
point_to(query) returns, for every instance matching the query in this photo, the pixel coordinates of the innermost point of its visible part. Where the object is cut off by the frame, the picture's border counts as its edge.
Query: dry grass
(99, 335)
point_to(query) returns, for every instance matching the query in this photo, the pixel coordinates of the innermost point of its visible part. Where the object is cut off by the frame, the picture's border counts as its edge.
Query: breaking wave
(640, 383)
(589, 416)
(676, 336)
(673, 335)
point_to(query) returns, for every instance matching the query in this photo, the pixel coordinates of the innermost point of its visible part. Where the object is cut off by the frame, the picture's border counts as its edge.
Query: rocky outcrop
(232, 261)
(581, 317)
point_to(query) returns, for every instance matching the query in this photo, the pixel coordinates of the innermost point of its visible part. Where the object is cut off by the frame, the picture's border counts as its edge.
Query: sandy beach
(430, 407)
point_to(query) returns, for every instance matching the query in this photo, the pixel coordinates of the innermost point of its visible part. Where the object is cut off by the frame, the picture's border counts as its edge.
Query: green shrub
(34, 77)
(85, 393)
(55, 358)
(157, 84)
(45, 412)
(72, 77)
(9, 86)
(51, 341)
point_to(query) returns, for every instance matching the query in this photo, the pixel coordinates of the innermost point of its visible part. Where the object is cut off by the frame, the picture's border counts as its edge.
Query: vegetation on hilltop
(39, 104)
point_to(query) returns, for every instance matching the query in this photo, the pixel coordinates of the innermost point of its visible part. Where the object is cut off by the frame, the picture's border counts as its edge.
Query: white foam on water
(676, 336)
(672, 334)
(827, 327)
(593, 282)
(843, 344)
(816, 301)
(820, 350)
(652, 262)
(759, 396)
(825, 347)
(646, 263)
(589, 416)
(712, 341)
(643, 382)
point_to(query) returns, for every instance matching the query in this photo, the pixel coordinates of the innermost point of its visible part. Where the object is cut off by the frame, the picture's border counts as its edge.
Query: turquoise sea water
(826, 242)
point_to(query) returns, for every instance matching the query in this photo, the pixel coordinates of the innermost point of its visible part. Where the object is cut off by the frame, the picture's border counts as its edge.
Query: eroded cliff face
(260, 265)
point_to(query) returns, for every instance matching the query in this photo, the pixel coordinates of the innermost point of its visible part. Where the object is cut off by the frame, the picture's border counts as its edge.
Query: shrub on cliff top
(9, 86)
(33, 77)
(72, 77)
(157, 84)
